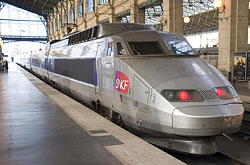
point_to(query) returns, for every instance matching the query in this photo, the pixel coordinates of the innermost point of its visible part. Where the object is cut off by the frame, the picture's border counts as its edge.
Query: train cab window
(120, 50)
(146, 48)
(110, 51)
(181, 47)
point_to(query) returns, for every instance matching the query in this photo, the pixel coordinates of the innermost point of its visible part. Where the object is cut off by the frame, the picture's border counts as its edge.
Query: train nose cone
(207, 120)
(192, 82)
(232, 121)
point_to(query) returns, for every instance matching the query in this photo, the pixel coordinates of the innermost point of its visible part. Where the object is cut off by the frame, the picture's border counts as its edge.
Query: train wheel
(55, 85)
(97, 106)
(51, 82)
(107, 113)
(117, 119)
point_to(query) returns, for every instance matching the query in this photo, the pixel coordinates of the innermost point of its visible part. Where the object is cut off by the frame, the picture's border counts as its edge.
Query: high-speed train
(150, 81)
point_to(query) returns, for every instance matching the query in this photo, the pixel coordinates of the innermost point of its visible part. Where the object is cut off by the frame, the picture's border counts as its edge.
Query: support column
(137, 14)
(75, 2)
(85, 14)
(112, 18)
(233, 32)
(173, 14)
(111, 12)
(96, 2)
(50, 28)
(64, 15)
(96, 19)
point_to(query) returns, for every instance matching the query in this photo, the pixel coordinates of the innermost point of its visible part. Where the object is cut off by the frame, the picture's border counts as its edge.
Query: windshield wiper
(180, 51)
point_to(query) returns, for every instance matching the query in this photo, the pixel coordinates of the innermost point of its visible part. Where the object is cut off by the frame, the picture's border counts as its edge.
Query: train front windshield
(180, 47)
(176, 47)
(146, 48)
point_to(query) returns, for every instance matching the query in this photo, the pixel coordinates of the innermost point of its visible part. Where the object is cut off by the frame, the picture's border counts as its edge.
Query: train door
(140, 103)
(140, 95)
(107, 74)
(98, 68)
(47, 61)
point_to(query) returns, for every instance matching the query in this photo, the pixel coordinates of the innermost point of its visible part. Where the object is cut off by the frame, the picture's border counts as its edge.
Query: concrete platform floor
(40, 125)
(237, 149)
(33, 130)
(243, 90)
(240, 147)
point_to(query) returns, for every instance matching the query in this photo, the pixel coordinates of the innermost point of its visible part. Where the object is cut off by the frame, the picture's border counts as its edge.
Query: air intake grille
(209, 95)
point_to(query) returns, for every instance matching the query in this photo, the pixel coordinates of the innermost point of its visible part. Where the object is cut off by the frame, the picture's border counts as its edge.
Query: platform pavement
(34, 131)
(231, 148)
(126, 147)
(243, 89)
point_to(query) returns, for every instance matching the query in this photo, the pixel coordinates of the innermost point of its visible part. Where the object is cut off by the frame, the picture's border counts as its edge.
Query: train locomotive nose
(207, 120)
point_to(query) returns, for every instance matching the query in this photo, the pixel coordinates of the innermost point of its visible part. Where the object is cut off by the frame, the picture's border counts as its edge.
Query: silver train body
(152, 79)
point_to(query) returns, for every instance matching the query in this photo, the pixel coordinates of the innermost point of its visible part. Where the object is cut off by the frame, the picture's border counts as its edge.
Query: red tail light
(184, 96)
(176, 95)
(225, 93)
(220, 92)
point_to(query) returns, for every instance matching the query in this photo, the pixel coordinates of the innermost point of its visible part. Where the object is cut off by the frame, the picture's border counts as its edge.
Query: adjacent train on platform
(151, 81)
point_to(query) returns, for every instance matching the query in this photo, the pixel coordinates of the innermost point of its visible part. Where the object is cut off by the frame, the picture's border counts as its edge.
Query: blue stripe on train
(79, 69)
(84, 70)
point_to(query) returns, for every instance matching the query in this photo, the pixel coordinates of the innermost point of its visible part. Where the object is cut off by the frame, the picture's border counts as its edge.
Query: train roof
(116, 28)
(106, 29)
(99, 31)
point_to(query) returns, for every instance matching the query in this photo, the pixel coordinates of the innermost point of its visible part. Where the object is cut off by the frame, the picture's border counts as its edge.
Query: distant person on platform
(6, 66)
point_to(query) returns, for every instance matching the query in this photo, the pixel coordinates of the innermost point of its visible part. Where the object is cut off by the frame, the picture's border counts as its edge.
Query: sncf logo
(121, 82)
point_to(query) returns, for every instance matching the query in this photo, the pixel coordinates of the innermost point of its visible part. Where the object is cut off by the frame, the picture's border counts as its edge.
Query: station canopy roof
(203, 15)
(40, 7)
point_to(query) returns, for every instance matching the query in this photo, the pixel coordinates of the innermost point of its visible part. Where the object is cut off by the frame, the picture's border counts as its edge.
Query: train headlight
(182, 95)
(225, 93)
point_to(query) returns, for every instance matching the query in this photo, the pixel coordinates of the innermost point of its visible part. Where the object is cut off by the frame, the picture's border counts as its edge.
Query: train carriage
(152, 81)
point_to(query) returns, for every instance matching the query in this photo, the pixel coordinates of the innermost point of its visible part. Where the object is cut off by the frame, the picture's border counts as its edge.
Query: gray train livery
(149, 81)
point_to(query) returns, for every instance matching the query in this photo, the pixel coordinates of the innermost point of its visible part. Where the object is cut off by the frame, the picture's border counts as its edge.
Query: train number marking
(121, 82)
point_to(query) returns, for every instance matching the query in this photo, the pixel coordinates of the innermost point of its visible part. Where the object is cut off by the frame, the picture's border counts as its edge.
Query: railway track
(215, 159)
(245, 128)
(219, 158)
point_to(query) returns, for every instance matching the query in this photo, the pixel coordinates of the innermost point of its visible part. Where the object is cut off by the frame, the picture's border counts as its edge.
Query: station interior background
(18, 22)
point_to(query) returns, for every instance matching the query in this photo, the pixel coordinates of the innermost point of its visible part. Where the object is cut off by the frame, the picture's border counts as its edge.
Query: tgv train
(151, 81)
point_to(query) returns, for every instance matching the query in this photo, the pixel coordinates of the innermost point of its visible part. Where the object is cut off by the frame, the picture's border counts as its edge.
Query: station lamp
(217, 4)
(186, 19)
(162, 20)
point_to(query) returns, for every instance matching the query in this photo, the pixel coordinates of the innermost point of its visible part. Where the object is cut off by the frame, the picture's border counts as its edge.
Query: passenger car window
(180, 47)
(110, 51)
(146, 48)
(120, 49)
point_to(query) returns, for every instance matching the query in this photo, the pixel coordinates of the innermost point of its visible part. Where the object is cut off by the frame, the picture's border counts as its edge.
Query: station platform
(40, 125)
(243, 90)
(239, 147)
